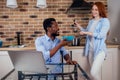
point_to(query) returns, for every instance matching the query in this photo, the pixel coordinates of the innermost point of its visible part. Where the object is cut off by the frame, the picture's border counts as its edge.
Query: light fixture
(11, 4)
(41, 4)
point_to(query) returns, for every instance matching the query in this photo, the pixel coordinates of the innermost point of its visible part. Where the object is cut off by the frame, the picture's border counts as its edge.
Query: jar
(76, 41)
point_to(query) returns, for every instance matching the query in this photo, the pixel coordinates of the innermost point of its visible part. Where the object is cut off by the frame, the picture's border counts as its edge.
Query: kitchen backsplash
(27, 19)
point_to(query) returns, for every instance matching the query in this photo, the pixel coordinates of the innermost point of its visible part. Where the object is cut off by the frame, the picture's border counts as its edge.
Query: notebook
(28, 61)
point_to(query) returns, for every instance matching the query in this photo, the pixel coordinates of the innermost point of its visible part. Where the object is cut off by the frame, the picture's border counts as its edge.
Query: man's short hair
(48, 23)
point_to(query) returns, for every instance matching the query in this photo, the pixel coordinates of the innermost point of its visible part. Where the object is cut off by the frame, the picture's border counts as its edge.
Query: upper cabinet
(114, 16)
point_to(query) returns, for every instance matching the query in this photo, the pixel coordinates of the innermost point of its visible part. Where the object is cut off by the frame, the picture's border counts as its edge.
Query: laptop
(28, 61)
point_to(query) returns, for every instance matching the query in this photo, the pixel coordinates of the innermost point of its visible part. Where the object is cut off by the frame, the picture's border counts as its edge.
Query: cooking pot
(77, 40)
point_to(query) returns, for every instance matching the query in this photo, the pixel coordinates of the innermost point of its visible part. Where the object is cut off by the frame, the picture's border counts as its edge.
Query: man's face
(54, 29)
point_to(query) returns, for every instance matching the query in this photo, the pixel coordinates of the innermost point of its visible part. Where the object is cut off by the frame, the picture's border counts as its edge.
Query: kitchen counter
(67, 47)
(17, 49)
(75, 47)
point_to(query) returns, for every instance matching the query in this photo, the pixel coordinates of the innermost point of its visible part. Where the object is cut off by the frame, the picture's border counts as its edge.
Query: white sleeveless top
(92, 28)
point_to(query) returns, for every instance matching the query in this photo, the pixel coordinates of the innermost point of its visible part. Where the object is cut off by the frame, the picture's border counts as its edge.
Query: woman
(96, 33)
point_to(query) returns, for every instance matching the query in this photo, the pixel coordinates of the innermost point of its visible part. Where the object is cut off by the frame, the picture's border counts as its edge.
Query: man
(51, 46)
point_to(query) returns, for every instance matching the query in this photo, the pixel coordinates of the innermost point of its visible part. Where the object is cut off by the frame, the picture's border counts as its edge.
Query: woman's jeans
(96, 64)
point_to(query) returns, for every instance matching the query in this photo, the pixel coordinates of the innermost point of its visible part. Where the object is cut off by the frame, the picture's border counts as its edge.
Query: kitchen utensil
(68, 38)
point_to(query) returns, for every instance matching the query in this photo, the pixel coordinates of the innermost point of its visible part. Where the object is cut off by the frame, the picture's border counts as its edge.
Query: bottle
(1, 42)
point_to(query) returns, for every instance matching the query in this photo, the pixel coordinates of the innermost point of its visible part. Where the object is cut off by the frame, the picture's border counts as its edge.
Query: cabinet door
(110, 68)
(77, 55)
(107, 67)
(116, 67)
(119, 62)
(6, 65)
(83, 62)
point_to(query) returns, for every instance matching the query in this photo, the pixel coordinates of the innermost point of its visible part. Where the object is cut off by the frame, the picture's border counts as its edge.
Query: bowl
(68, 38)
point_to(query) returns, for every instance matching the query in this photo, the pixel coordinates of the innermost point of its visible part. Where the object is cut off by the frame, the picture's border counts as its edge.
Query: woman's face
(95, 12)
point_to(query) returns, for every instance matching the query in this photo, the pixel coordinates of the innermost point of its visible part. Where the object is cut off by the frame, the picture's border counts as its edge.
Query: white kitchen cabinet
(77, 55)
(107, 67)
(110, 69)
(6, 65)
(111, 66)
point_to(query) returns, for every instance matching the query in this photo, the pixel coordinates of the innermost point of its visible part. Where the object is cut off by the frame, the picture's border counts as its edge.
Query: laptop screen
(28, 61)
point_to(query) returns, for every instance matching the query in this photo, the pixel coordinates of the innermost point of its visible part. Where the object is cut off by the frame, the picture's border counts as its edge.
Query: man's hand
(68, 60)
(64, 42)
(71, 62)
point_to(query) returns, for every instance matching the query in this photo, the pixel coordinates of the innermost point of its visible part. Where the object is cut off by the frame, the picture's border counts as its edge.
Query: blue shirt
(45, 44)
(99, 36)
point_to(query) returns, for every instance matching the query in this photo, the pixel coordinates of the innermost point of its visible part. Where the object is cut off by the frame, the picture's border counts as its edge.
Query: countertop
(67, 47)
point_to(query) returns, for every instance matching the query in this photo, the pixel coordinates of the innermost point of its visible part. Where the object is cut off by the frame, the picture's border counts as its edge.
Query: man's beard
(55, 34)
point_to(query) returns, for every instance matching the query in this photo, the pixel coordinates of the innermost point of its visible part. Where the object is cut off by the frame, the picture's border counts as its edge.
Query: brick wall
(27, 19)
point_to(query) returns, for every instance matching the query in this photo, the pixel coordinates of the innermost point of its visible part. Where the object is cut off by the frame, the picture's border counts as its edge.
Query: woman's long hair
(101, 9)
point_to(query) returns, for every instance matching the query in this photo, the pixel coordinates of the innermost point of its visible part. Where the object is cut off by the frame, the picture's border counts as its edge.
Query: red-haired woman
(96, 33)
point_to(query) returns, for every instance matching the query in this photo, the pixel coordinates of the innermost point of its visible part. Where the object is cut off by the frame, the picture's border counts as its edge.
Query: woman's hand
(77, 25)
(82, 33)
(86, 33)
